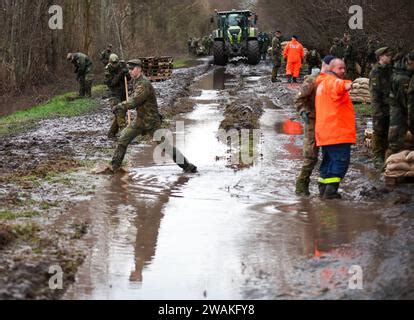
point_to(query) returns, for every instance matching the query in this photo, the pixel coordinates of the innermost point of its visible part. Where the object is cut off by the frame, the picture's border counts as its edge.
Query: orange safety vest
(335, 114)
(294, 51)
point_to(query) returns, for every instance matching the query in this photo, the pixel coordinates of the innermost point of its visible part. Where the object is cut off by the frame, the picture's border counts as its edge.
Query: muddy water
(221, 234)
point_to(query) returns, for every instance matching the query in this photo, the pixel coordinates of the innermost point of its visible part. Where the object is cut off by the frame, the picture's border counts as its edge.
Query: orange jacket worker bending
(294, 55)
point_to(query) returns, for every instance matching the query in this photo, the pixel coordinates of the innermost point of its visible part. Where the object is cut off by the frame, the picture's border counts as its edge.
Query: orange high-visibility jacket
(335, 114)
(294, 51)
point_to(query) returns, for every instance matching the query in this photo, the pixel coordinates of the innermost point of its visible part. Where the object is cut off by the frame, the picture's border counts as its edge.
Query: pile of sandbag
(400, 165)
(360, 92)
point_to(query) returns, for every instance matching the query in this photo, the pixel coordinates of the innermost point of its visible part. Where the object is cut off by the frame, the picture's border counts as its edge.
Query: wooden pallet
(157, 69)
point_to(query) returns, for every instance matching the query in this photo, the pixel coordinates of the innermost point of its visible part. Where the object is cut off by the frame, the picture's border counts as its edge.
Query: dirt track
(227, 232)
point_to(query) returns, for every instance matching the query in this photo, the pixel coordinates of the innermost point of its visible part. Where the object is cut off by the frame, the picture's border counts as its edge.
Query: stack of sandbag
(400, 165)
(360, 92)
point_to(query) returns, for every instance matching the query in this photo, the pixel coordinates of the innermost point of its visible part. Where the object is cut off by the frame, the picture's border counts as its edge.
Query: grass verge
(363, 109)
(183, 62)
(58, 106)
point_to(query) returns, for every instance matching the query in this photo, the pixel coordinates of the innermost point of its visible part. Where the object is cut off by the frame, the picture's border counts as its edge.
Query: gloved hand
(305, 117)
(120, 107)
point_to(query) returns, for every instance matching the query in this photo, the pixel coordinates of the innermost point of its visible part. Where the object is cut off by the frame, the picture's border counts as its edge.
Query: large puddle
(222, 233)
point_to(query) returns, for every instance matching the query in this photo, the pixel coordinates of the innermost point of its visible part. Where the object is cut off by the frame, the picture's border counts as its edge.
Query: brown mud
(228, 232)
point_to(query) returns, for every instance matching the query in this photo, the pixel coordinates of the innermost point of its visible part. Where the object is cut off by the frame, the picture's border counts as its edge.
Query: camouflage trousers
(85, 85)
(133, 131)
(401, 115)
(277, 63)
(310, 154)
(381, 122)
(119, 120)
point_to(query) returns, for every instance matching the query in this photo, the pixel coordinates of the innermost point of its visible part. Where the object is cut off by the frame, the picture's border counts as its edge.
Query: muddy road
(229, 231)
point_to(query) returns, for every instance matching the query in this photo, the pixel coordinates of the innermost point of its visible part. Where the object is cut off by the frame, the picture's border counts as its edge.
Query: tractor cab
(236, 36)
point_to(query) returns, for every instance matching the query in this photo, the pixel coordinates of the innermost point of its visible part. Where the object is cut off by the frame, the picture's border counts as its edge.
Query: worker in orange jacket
(294, 55)
(335, 128)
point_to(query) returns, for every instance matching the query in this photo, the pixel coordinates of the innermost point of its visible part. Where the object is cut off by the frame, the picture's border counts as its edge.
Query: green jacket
(380, 85)
(313, 58)
(83, 65)
(143, 99)
(400, 81)
(115, 79)
(276, 48)
(337, 50)
(105, 56)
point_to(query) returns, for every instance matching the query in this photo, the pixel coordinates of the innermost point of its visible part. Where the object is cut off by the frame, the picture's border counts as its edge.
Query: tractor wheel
(253, 52)
(220, 58)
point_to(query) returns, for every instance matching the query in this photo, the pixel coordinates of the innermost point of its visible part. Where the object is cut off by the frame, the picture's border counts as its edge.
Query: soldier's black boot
(289, 79)
(295, 80)
(331, 192)
(182, 161)
(190, 168)
(322, 188)
(118, 158)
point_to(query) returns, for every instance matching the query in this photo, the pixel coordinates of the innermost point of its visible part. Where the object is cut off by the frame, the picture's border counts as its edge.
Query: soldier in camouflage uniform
(305, 105)
(148, 119)
(84, 72)
(380, 87)
(337, 48)
(350, 58)
(313, 59)
(370, 57)
(276, 55)
(264, 43)
(189, 42)
(401, 102)
(115, 73)
(105, 55)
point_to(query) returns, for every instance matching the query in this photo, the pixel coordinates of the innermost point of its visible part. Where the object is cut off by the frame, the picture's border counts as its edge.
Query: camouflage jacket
(337, 50)
(143, 99)
(411, 95)
(83, 64)
(313, 58)
(105, 56)
(350, 55)
(400, 81)
(276, 47)
(380, 84)
(305, 100)
(115, 78)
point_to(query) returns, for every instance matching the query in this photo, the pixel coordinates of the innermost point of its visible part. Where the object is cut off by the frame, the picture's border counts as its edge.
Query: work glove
(121, 107)
(305, 117)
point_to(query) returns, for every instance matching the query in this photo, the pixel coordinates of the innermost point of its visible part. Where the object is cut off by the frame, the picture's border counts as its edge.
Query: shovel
(127, 99)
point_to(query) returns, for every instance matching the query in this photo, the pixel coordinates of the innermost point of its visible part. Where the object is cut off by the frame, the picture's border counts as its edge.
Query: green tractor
(236, 36)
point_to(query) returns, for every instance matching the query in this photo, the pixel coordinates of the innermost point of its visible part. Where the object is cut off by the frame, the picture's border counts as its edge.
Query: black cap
(296, 37)
(328, 59)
